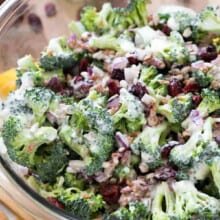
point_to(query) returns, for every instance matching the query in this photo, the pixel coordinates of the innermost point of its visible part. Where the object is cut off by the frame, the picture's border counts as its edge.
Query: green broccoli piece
(148, 144)
(175, 51)
(210, 102)
(23, 142)
(130, 116)
(135, 210)
(89, 133)
(151, 77)
(203, 79)
(50, 160)
(58, 55)
(96, 21)
(193, 204)
(191, 151)
(71, 180)
(207, 22)
(176, 17)
(177, 109)
(39, 100)
(115, 19)
(81, 204)
(163, 205)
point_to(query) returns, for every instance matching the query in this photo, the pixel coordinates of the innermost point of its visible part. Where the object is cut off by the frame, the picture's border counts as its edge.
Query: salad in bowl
(121, 119)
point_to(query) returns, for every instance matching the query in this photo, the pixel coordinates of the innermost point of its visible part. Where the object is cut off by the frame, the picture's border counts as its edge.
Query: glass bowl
(18, 38)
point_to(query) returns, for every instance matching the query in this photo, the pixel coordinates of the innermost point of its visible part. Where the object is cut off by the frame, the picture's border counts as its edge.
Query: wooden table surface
(21, 46)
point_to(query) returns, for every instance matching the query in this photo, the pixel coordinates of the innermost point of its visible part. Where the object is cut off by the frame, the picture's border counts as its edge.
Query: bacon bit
(151, 60)
(31, 148)
(110, 193)
(55, 202)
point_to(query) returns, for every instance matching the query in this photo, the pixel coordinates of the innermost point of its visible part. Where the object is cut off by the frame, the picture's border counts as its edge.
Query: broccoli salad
(121, 120)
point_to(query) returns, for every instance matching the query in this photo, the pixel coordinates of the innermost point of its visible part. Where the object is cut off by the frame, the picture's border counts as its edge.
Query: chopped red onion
(121, 140)
(196, 117)
(119, 63)
(113, 102)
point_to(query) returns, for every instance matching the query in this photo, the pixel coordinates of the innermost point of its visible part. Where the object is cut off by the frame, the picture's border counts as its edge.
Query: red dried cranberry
(55, 84)
(113, 86)
(50, 9)
(110, 193)
(166, 149)
(217, 139)
(196, 100)
(191, 87)
(83, 65)
(118, 74)
(133, 60)
(35, 22)
(166, 29)
(164, 173)
(175, 87)
(208, 53)
(138, 90)
(55, 202)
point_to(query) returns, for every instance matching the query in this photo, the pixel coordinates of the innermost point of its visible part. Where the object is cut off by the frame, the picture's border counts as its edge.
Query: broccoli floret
(193, 204)
(185, 154)
(163, 205)
(176, 17)
(71, 180)
(177, 108)
(151, 77)
(130, 116)
(148, 144)
(58, 55)
(39, 100)
(214, 165)
(207, 22)
(23, 142)
(115, 19)
(50, 160)
(203, 79)
(135, 210)
(175, 50)
(81, 204)
(92, 126)
(210, 102)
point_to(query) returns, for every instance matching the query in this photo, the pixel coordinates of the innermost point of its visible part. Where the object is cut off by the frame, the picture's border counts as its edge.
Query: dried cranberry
(110, 193)
(175, 87)
(191, 87)
(55, 202)
(83, 65)
(118, 74)
(138, 90)
(55, 84)
(196, 100)
(217, 139)
(133, 60)
(208, 53)
(50, 9)
(166, 149)
(164, 173)
(166, 29)
(113, 86)
(35, 22)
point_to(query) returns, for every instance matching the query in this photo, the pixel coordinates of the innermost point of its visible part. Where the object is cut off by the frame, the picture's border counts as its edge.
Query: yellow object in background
(7, 82)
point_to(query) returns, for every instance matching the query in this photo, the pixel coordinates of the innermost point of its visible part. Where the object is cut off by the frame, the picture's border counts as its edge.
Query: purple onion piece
(164, 173)
(121, 140)
(113, 102)
(119, 63)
